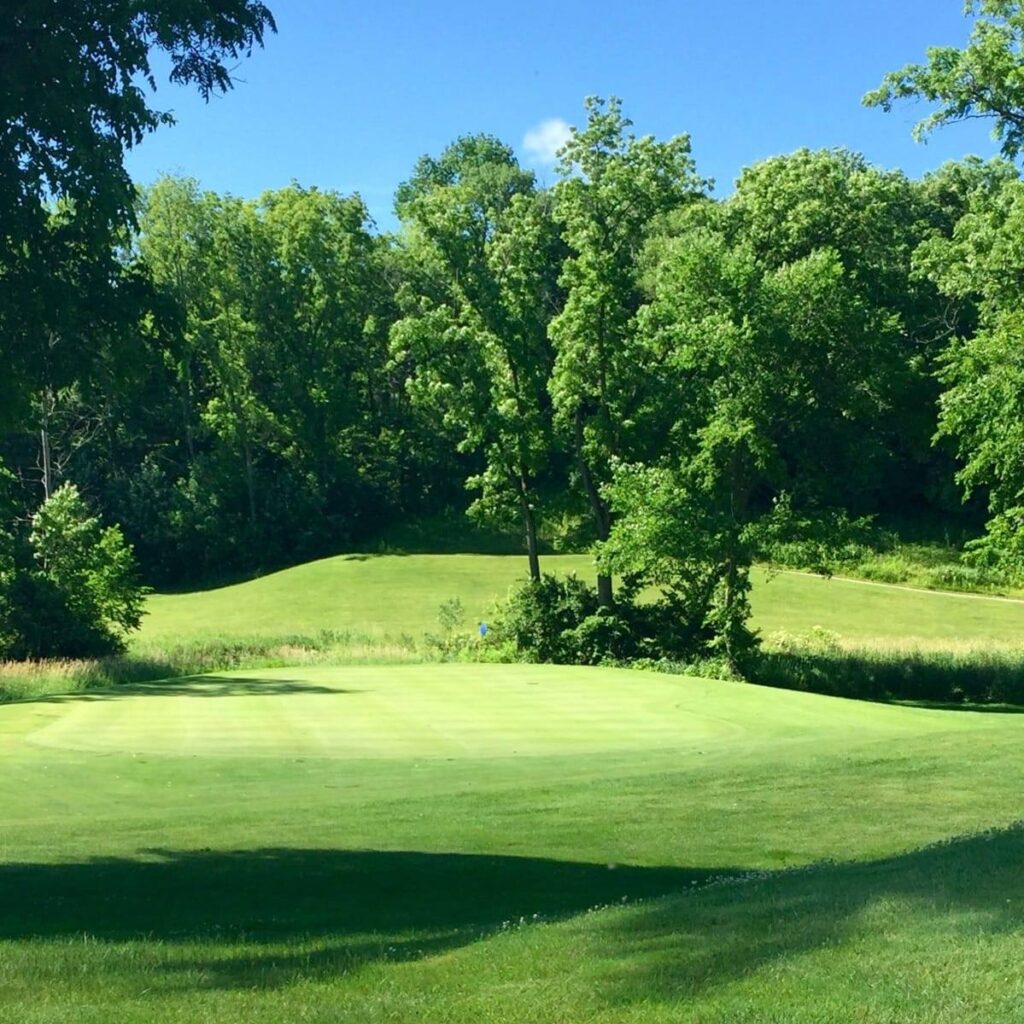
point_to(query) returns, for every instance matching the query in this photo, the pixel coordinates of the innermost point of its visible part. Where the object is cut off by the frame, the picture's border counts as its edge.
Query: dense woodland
(622, 360)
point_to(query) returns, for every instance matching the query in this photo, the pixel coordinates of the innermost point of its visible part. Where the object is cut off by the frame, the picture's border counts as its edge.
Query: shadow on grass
(199, 686)
(352, 906)
(453, 534)
(272, 917)
(684, 947)
(972, 679)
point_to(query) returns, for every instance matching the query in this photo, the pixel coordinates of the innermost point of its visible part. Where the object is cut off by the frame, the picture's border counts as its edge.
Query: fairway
(406, 843)
(395, 595)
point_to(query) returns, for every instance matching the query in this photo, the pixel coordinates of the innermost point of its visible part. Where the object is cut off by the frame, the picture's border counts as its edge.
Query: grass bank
(391, 596)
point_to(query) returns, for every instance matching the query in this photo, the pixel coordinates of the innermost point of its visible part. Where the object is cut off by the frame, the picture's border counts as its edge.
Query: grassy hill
(374, 843)
(391, 595)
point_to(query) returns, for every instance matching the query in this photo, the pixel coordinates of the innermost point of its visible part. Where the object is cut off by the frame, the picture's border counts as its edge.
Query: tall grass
(25, 680)
(947, 672)
(906, 669)
(930, 566)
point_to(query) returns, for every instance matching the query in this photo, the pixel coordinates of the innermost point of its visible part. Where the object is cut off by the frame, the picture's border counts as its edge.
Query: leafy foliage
(81, 595)
(613, 185)
(985, 79)
(73, 98)
(982, 408)
(473, 334)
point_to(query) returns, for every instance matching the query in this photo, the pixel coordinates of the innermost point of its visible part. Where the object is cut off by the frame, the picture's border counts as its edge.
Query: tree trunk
(734, 622)
(250, 483)
(45, 451)
(44, 442)
(729, 613)
(602, 516)
(530, 526)
(185, 394)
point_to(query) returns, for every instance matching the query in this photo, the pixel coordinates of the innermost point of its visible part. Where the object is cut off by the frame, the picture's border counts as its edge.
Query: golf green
(430, 842)
(442, 711)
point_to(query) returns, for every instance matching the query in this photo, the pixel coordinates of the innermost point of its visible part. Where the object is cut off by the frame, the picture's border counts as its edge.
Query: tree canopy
(75, 78)
(983, 80)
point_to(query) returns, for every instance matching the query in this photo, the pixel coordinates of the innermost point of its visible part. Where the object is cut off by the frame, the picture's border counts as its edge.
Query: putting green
(381, 844)
(444, 711)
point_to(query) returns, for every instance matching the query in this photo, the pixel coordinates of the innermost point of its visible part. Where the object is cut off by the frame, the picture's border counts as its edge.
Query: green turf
(391, 595)
(425, 843)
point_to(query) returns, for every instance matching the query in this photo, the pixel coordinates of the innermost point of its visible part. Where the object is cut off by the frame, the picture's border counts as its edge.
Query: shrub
(450, 642)
(558, 620)
(538, 615)
(603, 636)
(75, 592)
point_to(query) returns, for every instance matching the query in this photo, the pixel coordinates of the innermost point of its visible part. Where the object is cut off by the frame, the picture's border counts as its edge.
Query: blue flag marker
(483, 629)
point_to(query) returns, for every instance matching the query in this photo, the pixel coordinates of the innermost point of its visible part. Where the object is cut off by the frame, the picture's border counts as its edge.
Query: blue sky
(346, 96)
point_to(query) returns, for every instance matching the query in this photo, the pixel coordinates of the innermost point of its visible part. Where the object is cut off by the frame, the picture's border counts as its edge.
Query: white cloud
(543, 141)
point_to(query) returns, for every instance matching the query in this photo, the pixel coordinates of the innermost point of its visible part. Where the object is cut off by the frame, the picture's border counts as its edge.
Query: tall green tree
(283, 313)
(75, 590)
(322, 315)
(773, 374)
(791, 207)
(613, 186)
(982, 408)
(477, 309)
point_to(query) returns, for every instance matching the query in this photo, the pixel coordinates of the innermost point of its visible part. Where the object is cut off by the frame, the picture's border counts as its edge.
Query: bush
(75, 591)
(450, 642)
(558, 620)
(538, 616)
(601, 637)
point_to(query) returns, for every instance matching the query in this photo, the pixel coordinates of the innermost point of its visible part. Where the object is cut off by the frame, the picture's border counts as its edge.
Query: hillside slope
(392, 595)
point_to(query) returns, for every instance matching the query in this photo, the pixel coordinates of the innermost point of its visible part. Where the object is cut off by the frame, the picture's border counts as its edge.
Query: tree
(8, 565)
(282, 316)
(322, 315)
(772, 375)
(983, 80)
(73, 99)
(982, 408)
(476, 315)
(613, 185)
(869, 221)
(79, 596)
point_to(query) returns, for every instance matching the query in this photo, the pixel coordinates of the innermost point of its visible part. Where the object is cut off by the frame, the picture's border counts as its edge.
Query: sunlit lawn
(425, 842)
(391, 595)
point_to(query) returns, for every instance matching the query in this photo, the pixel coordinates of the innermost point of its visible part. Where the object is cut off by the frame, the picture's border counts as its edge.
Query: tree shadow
(684, 946)
(199, 686)
(300, 913)
(268, 918)
(981, 709)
